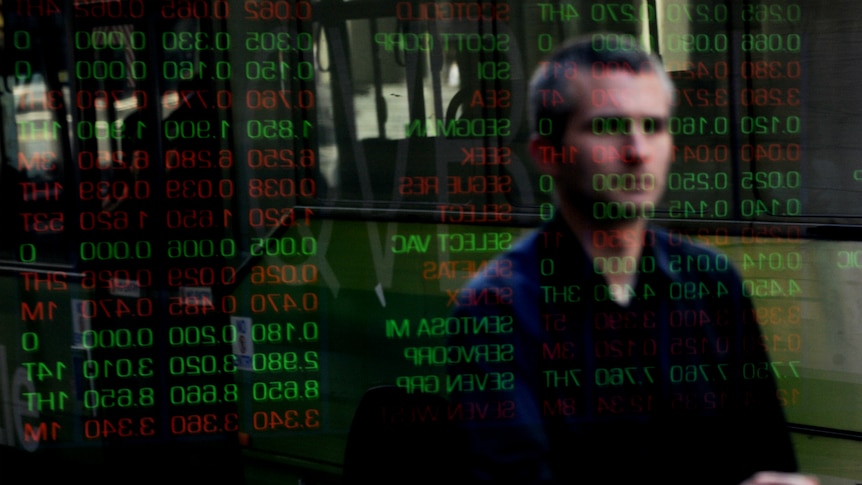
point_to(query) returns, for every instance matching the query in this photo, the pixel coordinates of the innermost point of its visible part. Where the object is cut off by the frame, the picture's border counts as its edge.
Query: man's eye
(615, 125)
(623, 125)
(654, 125)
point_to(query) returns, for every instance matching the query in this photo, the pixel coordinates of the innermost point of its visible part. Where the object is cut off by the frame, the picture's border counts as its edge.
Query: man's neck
(623, 241)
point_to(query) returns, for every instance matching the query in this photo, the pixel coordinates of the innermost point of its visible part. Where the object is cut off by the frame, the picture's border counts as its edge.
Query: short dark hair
(579, 57)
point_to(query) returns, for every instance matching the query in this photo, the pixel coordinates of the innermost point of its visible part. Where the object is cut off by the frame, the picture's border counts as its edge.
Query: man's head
(600, 117)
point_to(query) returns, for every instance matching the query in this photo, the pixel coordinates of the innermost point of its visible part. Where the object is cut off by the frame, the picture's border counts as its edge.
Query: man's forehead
(620, 91)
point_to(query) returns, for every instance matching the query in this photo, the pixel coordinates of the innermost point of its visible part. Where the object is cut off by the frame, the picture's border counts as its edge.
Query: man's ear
(539, 148)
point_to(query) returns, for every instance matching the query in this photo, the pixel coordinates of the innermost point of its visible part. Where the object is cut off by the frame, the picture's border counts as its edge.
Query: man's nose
(637, 147)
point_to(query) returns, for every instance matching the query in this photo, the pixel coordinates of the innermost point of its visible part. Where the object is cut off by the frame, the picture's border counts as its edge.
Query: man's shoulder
(507, 284)
(518, 265)
(679, 243)
(680, 256)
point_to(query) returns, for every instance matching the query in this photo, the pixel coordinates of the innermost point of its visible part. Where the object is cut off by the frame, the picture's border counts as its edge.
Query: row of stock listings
(169, 153)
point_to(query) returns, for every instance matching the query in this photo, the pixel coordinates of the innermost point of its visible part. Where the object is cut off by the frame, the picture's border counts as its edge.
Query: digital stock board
(226, 220)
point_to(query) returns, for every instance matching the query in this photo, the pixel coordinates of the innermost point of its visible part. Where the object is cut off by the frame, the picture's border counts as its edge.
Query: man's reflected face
(620, 132)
